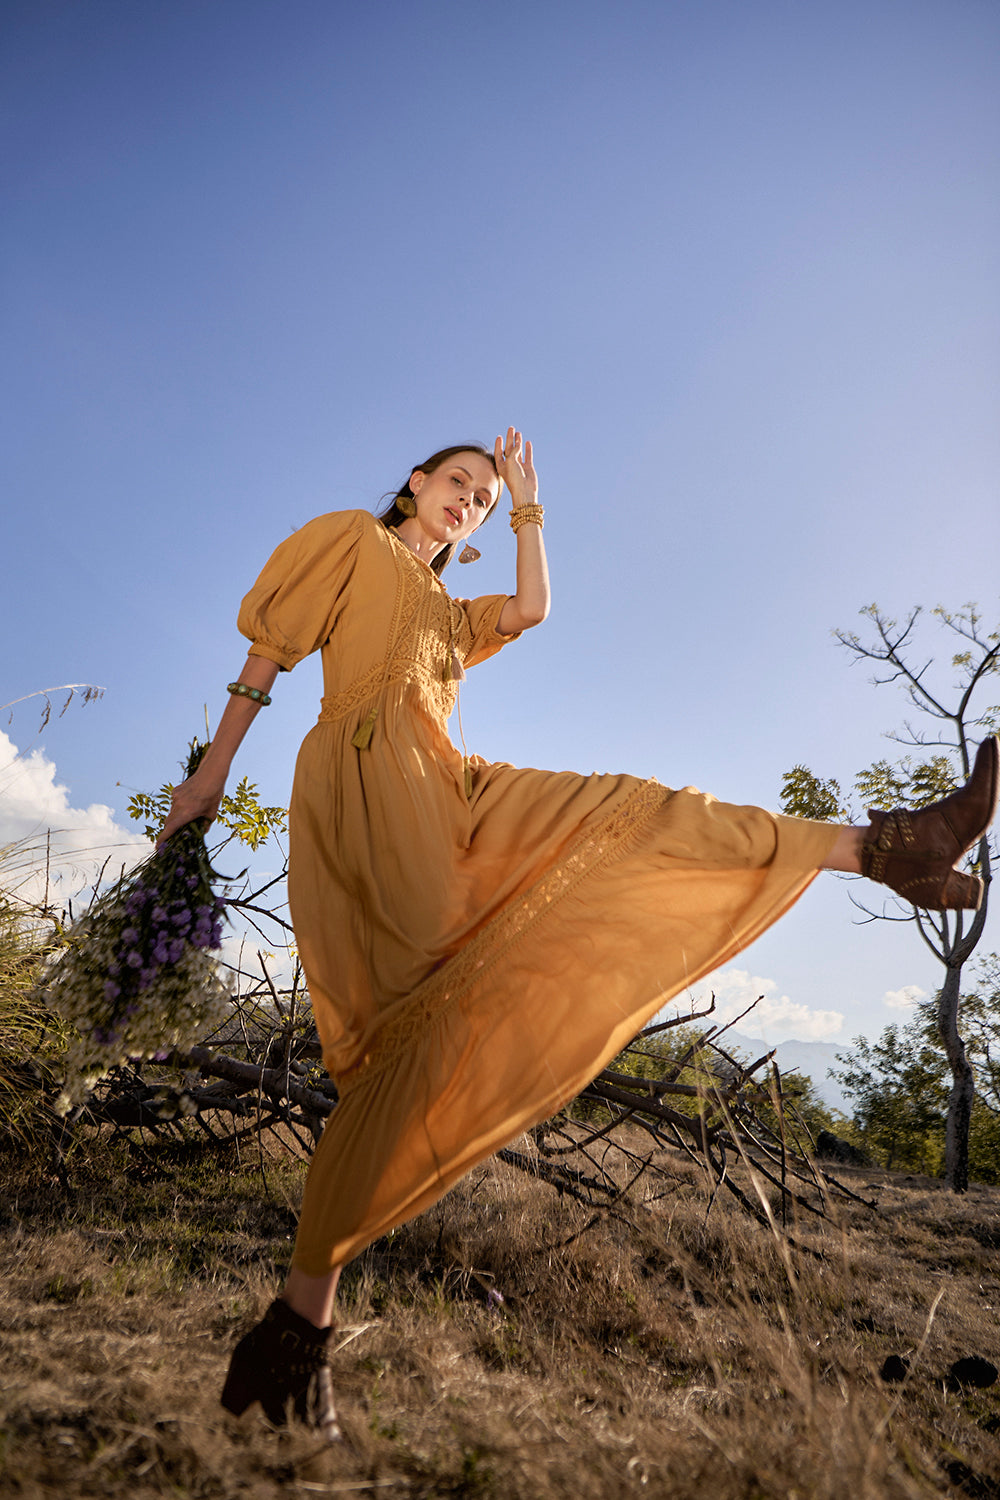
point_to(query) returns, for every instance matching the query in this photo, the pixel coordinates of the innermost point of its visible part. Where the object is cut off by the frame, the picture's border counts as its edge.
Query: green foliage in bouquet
(241, 812)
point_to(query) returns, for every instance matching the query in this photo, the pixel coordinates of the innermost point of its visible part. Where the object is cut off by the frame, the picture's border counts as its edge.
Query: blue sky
(734, 267)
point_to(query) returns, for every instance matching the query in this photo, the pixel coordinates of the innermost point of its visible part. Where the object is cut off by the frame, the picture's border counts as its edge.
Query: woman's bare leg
(846, 852)
(312, 1297)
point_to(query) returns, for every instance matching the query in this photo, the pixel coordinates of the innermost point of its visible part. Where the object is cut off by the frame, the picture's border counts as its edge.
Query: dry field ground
(671, 1350)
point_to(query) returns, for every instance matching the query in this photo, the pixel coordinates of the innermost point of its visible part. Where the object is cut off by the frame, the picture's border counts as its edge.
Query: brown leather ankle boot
(284, 1364)
(915, 853)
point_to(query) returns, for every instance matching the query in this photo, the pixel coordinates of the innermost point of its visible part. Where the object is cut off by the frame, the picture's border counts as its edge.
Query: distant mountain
(810, 1058)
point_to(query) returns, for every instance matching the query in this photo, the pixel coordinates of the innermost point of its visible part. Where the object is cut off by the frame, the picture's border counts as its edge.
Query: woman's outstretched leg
(845, 856)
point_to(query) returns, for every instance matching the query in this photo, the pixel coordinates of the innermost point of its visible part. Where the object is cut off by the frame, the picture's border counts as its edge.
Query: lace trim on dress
(427, 626)
(441, 695)
(443, 989)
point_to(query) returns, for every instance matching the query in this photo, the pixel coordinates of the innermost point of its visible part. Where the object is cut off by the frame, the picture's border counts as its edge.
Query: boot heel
(962, 891)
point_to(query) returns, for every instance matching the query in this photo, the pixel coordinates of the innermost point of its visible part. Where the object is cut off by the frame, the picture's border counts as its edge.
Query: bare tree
(942, 763)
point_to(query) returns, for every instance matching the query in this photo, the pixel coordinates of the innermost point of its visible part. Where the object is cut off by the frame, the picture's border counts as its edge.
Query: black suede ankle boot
(284, 1364)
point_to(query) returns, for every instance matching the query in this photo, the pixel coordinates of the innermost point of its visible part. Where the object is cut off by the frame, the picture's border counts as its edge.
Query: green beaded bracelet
(243, 691)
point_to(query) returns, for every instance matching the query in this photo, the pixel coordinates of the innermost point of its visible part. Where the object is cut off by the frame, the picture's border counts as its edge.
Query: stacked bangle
(522, 514)
(257, 695)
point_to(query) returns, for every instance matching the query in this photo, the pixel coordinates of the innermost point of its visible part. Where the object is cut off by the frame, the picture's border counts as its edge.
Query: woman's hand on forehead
(515, 465)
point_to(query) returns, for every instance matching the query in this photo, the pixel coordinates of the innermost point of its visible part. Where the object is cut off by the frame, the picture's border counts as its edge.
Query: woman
(480, 940)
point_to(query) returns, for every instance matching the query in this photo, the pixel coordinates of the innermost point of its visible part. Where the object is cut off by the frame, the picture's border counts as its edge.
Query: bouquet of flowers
(134, 977)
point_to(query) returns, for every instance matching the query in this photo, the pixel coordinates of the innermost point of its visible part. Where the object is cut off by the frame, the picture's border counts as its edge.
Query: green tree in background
(899, 1084)
(981, 1022)
(941, 762)
(899, 1089)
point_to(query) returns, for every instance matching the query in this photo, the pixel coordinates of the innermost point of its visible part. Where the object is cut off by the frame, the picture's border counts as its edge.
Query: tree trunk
(963, 1087)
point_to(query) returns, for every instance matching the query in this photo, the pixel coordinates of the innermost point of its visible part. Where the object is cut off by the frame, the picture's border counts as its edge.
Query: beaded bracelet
(522, 514)
(241, 690)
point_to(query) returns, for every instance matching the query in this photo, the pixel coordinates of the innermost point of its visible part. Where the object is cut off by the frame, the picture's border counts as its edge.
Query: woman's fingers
(515, 465)
(170, 827)
(179, 820)
(187, 805)
(510, 449)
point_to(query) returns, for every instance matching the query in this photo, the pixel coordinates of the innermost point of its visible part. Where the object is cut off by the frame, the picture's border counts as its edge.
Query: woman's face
(456, 497)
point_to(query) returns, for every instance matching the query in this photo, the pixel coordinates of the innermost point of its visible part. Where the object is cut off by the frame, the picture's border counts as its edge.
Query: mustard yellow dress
(478, 940)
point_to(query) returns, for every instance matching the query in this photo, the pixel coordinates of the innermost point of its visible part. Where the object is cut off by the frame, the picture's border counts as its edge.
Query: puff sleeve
(296, 602)
(481, 616)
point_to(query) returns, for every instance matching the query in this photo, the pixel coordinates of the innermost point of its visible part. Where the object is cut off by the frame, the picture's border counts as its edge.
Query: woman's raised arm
(200, 795)
(530, 604)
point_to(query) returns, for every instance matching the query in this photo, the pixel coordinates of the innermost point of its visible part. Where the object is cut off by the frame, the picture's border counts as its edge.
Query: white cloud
(40, 828)
(904, 999)
(775, 1017)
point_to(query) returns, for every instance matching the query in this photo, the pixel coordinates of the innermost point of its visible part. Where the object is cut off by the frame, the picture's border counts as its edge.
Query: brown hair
(392, 515)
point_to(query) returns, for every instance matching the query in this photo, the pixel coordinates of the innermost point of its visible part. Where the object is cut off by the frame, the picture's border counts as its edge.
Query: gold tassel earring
(469, 554)
(407, 505)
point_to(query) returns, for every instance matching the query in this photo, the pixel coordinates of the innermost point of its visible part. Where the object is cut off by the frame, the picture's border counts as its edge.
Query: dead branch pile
(261, 1078)
(724, 1111)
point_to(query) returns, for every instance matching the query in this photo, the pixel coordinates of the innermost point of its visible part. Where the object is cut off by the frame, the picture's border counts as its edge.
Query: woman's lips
(455, 516)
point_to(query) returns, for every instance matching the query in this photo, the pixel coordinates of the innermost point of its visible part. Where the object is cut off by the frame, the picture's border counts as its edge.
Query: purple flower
(182, 920)
(111, 990)
(216, 935)
(130, 935)
(176, 949)
(146, 978)
(191, 882)
(161, 1054)
(134, 959)
(159, 915)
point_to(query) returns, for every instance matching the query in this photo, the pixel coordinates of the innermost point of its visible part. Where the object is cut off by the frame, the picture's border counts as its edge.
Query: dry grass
(658, 1353)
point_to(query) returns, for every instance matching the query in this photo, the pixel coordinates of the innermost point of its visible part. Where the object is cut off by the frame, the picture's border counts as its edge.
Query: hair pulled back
(392, 515)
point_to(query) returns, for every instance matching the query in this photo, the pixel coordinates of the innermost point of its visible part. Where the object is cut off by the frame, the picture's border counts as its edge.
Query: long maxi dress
(478, 940)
